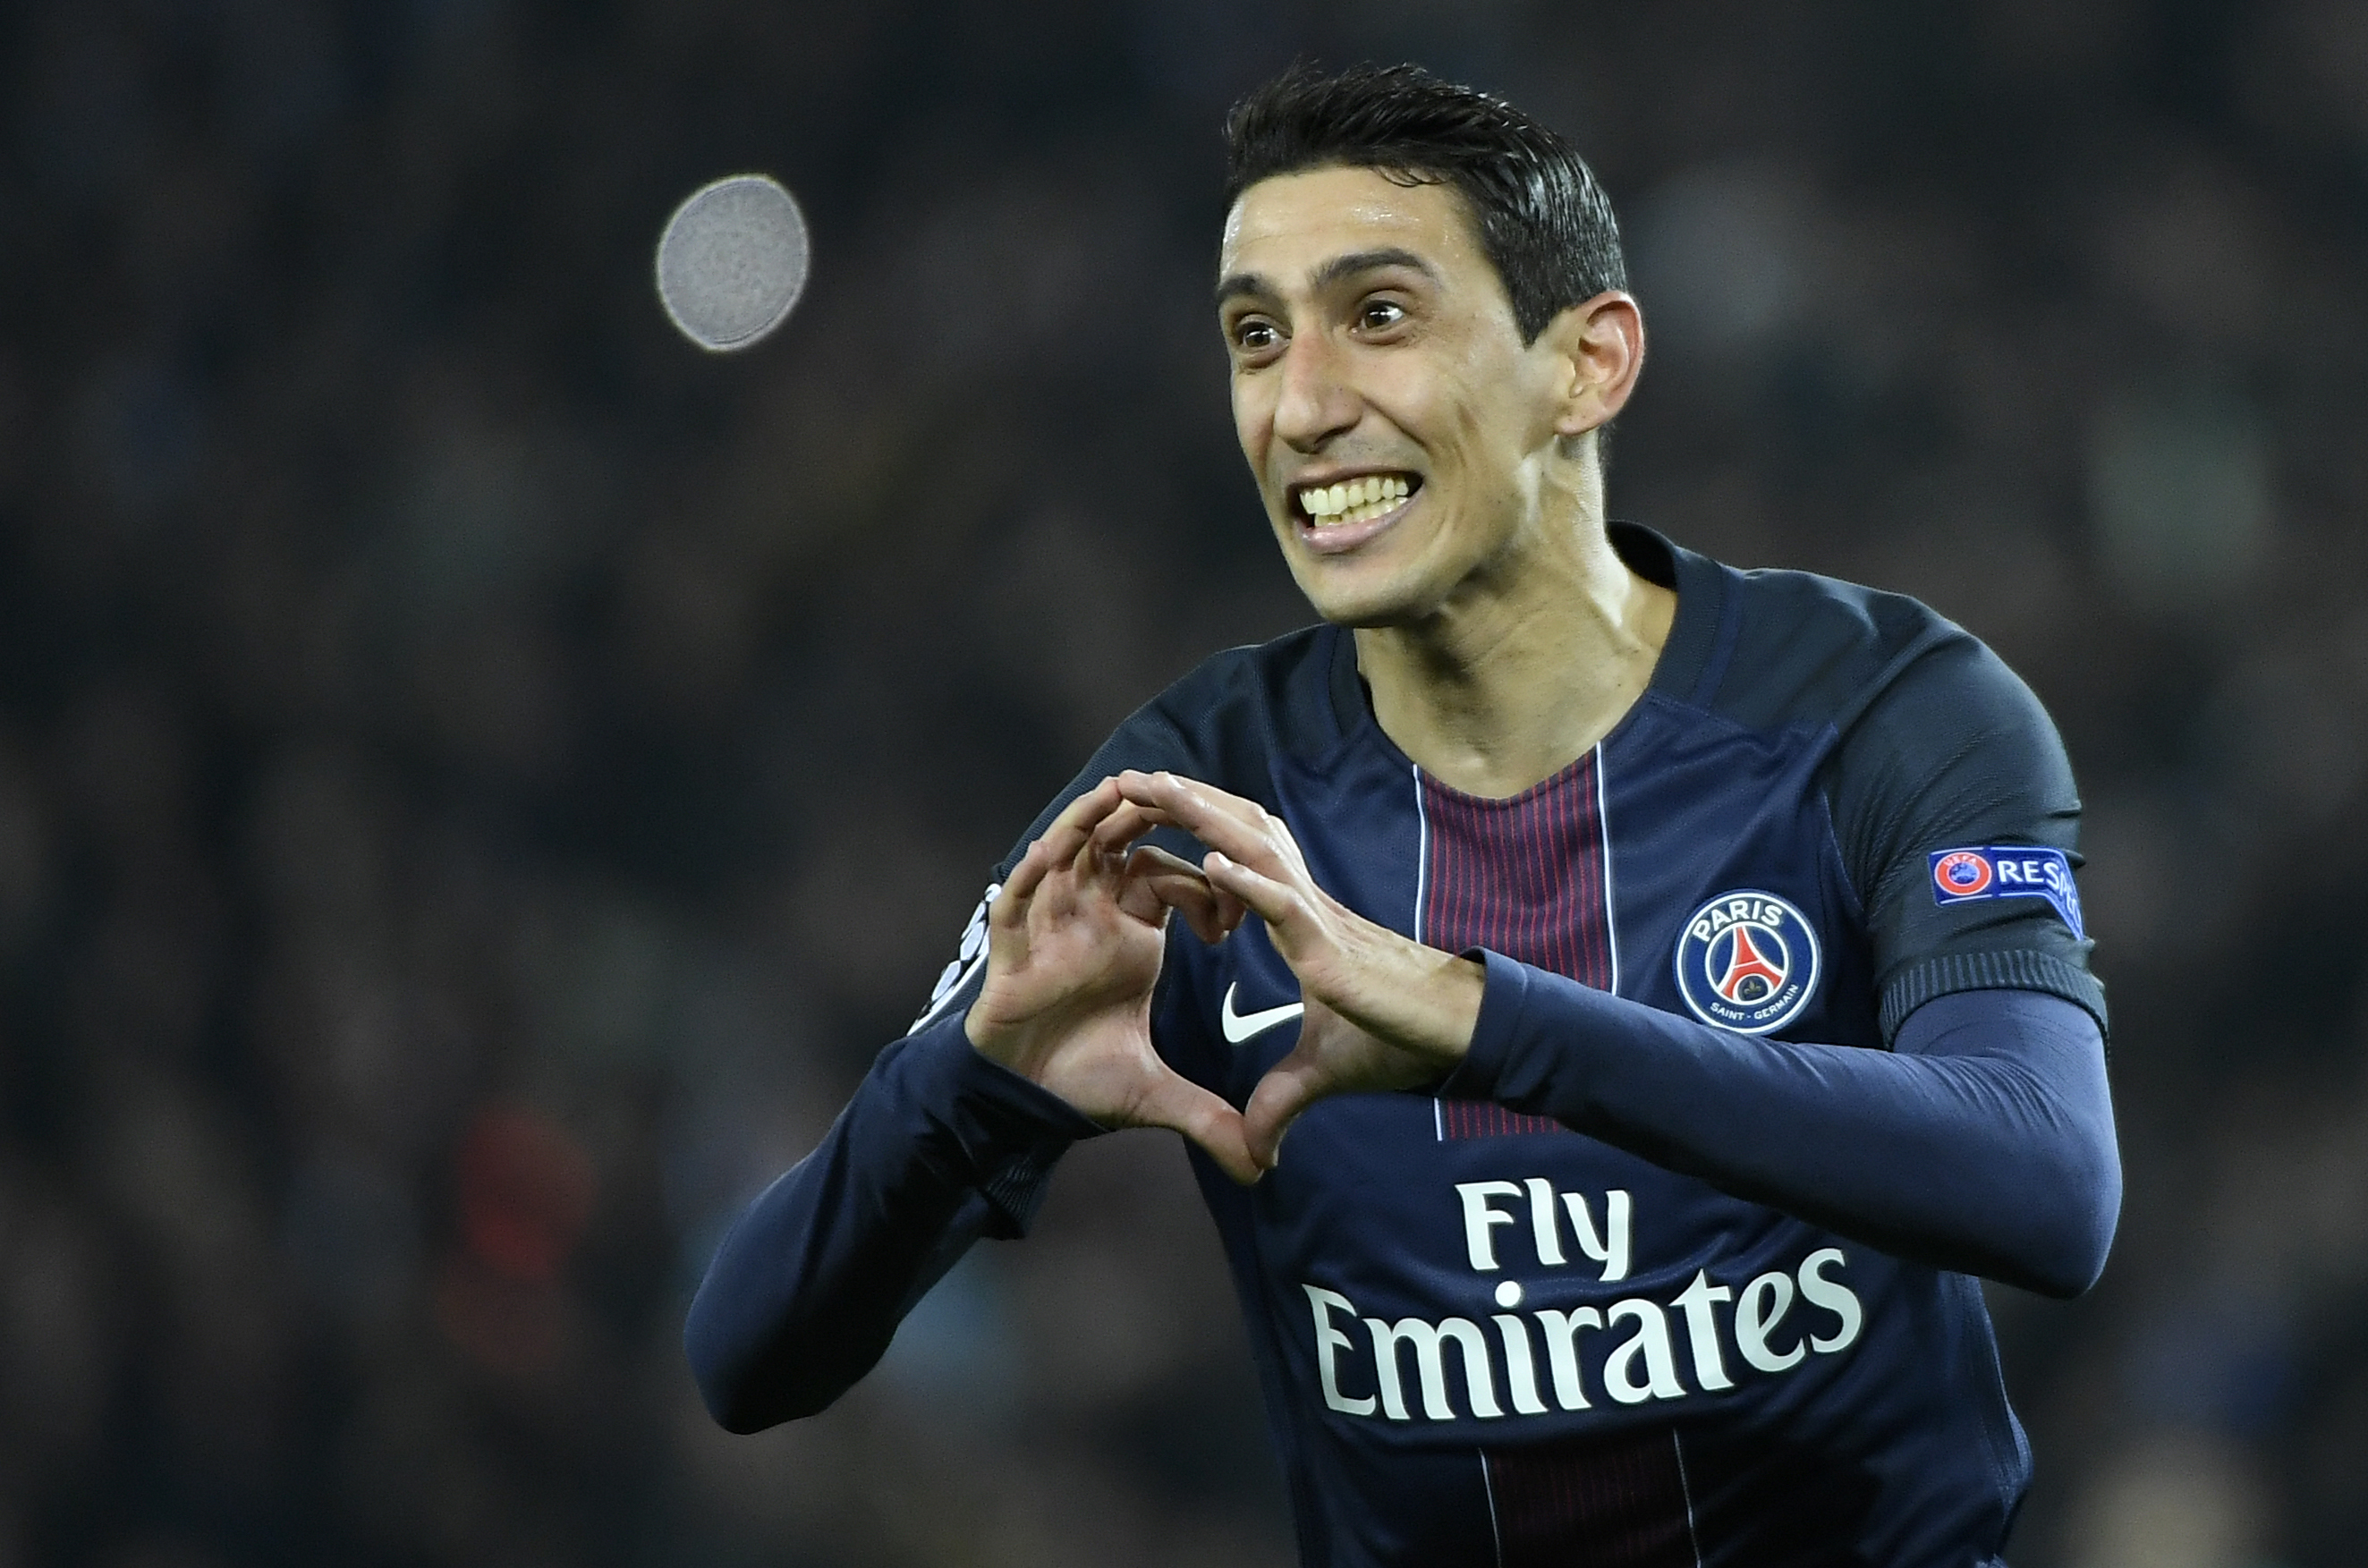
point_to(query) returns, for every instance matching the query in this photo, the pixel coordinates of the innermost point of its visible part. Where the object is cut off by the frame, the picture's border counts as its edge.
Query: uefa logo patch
(1747, 961)
(1983, 871)
(1961, 873)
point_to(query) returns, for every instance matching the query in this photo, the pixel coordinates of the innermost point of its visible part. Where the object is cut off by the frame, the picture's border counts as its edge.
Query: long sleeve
(1982, 1142)
(939, 1147)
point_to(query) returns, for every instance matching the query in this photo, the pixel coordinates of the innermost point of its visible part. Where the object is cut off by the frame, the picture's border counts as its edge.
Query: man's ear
(1598, 346)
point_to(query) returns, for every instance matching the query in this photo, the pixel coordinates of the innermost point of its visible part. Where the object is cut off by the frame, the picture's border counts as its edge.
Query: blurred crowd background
(479, 779)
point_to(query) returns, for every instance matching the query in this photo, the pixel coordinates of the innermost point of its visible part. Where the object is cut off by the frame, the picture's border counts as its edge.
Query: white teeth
(1354, 500)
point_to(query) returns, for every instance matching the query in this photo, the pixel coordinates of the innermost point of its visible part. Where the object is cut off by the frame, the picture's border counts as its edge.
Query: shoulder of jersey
(1240, 693)
(1239, 672)
(1807, 645)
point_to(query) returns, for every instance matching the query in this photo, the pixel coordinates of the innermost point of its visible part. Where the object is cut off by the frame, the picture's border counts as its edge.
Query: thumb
(1290, 1086)
(1177, 1103)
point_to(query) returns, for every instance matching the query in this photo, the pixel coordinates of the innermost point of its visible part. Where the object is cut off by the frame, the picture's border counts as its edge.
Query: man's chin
(1367, 594)
(1367, 612)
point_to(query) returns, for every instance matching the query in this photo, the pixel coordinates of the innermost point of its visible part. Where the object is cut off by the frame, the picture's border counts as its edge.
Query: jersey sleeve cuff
(1010, 1131)
(1504, 1002)
(1943, 974)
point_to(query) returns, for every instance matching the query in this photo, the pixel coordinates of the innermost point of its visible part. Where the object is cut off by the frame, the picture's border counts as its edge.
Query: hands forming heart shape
(1075, 939)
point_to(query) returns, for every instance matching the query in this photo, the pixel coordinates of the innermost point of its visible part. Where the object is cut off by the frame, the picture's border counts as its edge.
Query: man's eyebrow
(1331, 272)
(1348, 266)
(1240, 283)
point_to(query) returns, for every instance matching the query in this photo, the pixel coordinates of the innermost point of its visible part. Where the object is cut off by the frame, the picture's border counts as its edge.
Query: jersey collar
(1703, 634)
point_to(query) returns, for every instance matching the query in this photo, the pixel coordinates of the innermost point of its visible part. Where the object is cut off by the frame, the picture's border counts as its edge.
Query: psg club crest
(1747, 961)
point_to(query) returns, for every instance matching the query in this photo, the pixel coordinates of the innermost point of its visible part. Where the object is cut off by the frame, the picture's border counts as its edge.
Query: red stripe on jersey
(1599, 1501)
(1524, 876)
(1487, 1118)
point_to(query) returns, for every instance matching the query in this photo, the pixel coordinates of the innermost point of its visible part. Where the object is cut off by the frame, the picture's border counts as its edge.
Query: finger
(1188, 801)
(1092, 863)
(1155, 816)
(1140, 898)
(1239, 828)
(1128, 822)
(1009, 906)
(1212, 913)
(1070, 831)
(1271, 901)
(1290, 1086)
(1149, 859)
(1180, 1103)
(1176, 790)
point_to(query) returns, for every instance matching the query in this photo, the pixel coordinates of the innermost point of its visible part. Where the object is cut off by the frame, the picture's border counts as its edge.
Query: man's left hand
(1383, 1011)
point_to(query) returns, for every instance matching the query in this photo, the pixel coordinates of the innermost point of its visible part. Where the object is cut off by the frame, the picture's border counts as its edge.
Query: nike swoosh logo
(1239, 1026)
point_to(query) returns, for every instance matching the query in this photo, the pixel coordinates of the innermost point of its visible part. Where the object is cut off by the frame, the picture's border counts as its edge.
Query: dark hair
(1545, 224)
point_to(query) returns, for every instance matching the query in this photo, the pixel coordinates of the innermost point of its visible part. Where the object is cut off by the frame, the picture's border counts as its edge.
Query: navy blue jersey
(1676, 1268)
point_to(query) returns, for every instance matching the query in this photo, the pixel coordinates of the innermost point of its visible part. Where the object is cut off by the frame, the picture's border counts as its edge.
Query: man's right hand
(1074, 942)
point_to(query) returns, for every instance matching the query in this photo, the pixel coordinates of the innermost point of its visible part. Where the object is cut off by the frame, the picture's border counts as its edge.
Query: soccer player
(1671, 978)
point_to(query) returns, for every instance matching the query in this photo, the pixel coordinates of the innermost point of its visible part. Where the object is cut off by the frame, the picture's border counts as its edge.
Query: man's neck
(1509, 682)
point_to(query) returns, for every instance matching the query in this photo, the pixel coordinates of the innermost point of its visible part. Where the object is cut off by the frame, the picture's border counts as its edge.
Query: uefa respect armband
(2008, 871)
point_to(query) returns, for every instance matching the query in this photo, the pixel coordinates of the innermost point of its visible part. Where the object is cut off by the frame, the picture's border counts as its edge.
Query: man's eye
(1379, 315)
(1253, 335)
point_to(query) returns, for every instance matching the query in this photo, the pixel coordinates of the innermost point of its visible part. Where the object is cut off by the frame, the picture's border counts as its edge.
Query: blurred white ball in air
(731, 262)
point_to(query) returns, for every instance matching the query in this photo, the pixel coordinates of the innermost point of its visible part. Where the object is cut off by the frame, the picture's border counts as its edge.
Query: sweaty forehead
(1284, 229)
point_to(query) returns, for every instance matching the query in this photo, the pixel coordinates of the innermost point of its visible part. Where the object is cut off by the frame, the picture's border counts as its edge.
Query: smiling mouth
(1352, 501)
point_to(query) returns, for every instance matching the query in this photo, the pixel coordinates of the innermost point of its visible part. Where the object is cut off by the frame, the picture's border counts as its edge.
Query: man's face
(1373, 348)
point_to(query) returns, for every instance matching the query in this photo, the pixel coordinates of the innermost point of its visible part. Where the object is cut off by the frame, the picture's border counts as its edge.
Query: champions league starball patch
(967, 960)
(1747, 961)
(2008, 871)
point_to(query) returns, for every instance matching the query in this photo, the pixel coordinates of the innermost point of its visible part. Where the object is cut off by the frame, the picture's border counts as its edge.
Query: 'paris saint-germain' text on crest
(1747, 961)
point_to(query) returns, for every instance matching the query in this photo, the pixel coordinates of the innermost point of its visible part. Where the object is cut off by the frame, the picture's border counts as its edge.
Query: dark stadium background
(479, 777)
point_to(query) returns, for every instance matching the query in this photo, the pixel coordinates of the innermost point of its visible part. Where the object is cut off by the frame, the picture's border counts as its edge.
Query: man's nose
(1317, 402)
